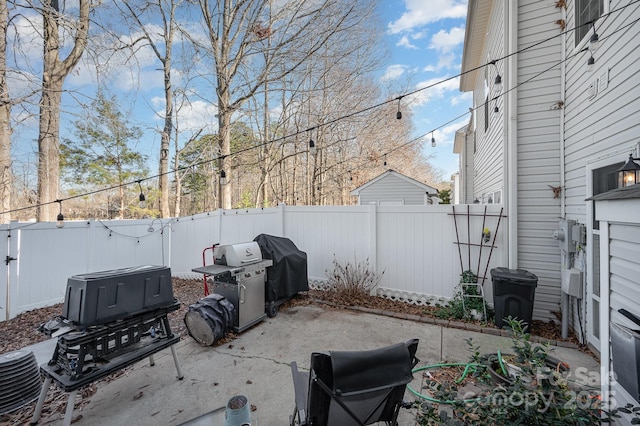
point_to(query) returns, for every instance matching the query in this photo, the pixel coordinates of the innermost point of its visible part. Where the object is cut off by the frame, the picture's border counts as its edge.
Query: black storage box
(513, 293)
(101, 297)
(625, 355)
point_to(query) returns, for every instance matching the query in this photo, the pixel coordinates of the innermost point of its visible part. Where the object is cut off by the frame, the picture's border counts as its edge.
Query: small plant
(352, 281)
(467, 303)
(468, 277)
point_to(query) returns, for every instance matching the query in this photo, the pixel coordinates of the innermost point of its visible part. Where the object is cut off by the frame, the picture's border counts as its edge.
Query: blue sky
(425, 39)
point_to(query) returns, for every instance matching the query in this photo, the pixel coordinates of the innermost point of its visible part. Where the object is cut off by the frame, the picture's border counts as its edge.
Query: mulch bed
(22, 331)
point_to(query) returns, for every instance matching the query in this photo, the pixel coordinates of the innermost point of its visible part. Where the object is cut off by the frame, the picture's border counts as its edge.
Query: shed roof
(428, 189)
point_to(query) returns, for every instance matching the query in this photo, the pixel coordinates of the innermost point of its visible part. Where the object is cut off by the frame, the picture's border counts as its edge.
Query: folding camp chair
(353, 388)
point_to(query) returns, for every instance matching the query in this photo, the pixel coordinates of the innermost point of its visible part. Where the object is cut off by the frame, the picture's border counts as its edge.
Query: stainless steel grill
(239, 274)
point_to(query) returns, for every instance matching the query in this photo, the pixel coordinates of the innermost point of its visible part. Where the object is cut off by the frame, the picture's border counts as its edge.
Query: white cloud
(421, 12)
(394, 71)
(465, 97)
(404, 42)
(446, 134)
(437, 89)
(192, 116)
(445, 42)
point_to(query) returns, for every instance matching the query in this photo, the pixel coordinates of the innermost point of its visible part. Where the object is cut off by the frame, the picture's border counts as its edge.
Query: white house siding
(609, 123)
(392, 189)
(538, 164)
(488, 160)
(467, 163)
(624, 263)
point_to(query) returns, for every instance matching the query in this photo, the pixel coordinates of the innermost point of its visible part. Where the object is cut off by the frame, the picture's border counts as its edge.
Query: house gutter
(563, 74)
(511, 131)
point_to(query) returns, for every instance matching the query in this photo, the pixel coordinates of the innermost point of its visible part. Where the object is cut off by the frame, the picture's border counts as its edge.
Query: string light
(594, 41)
(590, 64)
(498, 81)
(60, 218)
(433, 141)
(399, 113)
(312, 144)
(142, 201)
(223, 177)
(385, 160)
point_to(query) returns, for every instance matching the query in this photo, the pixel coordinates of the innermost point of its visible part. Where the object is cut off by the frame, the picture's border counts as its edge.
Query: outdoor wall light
(629, 173)
(223, 177)
(60, 218)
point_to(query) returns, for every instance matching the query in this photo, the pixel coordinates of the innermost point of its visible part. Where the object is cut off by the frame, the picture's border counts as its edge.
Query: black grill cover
(288, 275)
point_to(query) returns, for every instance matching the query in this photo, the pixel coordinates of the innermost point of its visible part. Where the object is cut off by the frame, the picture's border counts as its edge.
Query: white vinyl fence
(415, 247)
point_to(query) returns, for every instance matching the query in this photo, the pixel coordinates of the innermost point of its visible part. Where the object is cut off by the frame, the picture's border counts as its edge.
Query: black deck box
(101, 297)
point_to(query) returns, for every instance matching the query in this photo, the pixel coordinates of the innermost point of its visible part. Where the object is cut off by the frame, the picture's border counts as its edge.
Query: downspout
(565, 299)
(511, 131)
(563, 74)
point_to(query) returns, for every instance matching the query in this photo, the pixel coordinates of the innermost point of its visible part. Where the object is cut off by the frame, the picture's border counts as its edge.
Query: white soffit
(478, 13)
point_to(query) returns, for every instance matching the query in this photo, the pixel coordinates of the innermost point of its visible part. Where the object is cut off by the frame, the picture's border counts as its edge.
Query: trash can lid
(516, 276)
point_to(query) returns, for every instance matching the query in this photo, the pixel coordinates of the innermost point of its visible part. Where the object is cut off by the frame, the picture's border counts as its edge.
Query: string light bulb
(433, 141)
(312, 147)
(497, 82)
(399, 113)
(594, 41)
(385, 160)
(223, 177)
(60, 218)
(142, 200)
(590, 64)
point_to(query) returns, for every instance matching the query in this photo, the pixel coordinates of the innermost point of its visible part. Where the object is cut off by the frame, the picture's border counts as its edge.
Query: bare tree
(54, 72)
(5, 120)
(162, 48)
(296, 30)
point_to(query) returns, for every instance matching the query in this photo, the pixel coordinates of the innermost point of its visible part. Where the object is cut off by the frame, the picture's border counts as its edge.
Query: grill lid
(237, 254)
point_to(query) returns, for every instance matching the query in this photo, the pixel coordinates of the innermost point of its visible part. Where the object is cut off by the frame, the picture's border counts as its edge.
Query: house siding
(488, 160)
(604, 127)
(538, 158)
(624, 263)
(608, 124)
(392, 189)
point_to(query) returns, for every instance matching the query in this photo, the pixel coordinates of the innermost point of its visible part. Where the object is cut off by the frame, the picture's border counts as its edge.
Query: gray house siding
(488, 160)
(538, 159)
(393, 189)
(608, 124)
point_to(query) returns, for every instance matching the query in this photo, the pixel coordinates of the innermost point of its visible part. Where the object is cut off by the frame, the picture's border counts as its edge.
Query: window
(586, 11)
(486, 114)
(604, 179)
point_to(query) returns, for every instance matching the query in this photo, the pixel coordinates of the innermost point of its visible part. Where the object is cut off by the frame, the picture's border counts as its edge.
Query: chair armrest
(301, 389)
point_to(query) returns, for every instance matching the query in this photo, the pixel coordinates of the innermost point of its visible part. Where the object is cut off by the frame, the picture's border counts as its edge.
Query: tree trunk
(5, 124)
(54, 72)
(166, 139)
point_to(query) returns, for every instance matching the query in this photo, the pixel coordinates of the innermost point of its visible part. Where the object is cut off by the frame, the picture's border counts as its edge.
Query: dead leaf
(138, 396)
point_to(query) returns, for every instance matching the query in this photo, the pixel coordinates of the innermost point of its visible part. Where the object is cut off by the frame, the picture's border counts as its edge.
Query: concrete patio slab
(257, 364)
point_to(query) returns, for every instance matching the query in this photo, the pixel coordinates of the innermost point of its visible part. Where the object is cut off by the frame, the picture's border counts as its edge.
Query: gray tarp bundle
(288, 275)
(209, 319)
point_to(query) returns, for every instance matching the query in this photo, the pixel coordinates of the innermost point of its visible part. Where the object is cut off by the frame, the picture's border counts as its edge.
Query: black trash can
(513, 293)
